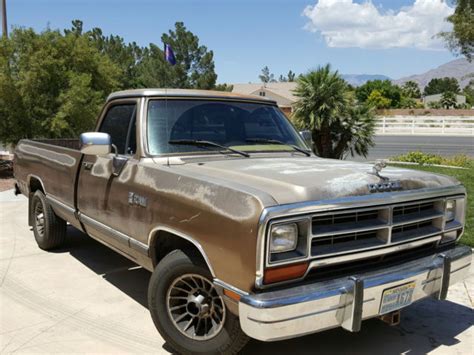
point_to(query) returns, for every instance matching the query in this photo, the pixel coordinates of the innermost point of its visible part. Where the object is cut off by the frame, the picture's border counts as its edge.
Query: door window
(119, 123)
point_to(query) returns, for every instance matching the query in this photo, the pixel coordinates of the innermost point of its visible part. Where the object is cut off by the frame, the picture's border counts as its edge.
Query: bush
(459, 160)
(435, 105)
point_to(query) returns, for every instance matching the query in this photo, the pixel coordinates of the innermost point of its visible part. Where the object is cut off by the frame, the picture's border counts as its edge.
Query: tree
(435, 105)
(461, 39)
(468, 91)
(354, 132)
(154, 71)
(291, 76)
(441, 85)
(194, 63)
(448, 100)
(325, 106)
(408, 102)
(51, 84)
(224, 87)
(386, 89)
(377, 100)
(126, 56)
(411, 90)
(266, 76)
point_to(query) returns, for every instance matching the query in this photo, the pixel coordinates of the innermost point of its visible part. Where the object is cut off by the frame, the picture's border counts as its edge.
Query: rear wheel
(187, 310)
(49, 229)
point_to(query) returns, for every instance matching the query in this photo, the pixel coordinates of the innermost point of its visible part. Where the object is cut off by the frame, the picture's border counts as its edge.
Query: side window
(119, 122)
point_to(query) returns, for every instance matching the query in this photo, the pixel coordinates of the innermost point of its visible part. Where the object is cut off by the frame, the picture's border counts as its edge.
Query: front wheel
(187, 310)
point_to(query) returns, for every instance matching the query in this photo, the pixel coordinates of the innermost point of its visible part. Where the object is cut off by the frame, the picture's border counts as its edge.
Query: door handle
(87, 165)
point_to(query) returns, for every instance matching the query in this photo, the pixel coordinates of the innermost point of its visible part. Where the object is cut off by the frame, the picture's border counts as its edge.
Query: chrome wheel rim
(195, 308)
(39, 219)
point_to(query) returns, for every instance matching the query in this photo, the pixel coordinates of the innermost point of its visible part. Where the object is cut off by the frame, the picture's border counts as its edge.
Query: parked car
(246, 231)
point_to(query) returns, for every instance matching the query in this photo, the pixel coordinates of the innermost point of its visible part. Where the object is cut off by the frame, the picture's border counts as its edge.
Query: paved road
(388, 146)
(85, 298)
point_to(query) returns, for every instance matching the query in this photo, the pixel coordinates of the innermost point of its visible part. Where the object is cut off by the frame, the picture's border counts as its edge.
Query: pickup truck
(246, 232)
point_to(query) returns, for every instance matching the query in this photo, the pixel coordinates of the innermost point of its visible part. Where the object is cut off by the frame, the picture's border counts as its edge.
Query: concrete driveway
(85, 298)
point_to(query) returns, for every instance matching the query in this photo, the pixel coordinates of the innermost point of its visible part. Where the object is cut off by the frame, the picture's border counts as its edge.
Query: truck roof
(186, 93)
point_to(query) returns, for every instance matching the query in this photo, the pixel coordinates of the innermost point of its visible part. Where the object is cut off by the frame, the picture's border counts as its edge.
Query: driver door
(102, 207)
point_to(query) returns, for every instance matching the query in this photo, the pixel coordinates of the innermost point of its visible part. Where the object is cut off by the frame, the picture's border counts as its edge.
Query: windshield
(238, 125)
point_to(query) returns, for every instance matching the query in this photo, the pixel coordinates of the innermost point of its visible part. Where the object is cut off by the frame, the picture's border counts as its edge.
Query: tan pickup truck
(247, 233)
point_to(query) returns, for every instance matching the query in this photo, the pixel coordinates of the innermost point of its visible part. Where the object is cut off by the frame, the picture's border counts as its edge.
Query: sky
(393, 38)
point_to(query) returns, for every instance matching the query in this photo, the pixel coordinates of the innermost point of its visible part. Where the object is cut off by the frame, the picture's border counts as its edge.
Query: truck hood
(298, 179)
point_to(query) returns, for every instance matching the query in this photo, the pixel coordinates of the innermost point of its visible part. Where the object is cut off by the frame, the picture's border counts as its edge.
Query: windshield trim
(144, 128)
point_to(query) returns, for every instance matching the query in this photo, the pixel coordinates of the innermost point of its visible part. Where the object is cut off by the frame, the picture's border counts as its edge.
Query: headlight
(283, 237)
(454, 215)
(450, 211)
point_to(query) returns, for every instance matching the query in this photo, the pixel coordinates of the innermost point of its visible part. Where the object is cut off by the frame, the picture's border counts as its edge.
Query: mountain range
(460, 69)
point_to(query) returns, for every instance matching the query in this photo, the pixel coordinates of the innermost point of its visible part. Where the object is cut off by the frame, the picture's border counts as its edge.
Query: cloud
(344, 23)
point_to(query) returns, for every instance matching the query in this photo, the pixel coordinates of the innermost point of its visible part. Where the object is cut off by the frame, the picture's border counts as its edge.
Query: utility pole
(4, 18)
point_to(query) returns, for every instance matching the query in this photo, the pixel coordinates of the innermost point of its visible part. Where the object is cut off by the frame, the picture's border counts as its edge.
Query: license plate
(397, 297)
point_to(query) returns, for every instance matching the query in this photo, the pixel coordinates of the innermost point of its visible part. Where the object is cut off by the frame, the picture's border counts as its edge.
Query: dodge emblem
(385, 186)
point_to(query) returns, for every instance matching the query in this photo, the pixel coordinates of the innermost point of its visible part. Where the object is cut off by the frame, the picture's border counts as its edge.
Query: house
(460, 99)
(282, 93)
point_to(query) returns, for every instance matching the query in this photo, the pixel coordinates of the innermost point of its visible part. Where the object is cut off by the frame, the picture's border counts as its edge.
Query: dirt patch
(6, 176)
(6, 184)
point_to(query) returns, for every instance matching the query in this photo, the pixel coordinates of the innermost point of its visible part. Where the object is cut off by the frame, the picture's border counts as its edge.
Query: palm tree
(356, 131)
(327, 108)
(448, 99)
(411, 89)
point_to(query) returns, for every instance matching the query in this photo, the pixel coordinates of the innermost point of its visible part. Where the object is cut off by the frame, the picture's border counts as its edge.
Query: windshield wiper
(198, 143)
(274, 141)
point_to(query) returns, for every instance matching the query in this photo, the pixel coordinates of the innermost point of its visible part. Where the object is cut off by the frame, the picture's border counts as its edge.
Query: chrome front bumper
(345, 302)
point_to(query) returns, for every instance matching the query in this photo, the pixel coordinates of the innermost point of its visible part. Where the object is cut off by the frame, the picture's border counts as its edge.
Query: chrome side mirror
(307, 137)
(95, 143)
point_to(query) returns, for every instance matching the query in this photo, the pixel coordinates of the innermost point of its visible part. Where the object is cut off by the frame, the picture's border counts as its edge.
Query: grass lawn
(467, 179)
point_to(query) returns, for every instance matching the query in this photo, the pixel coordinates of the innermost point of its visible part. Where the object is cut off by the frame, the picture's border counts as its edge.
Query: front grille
(355, 230)
(345, 242)
(331, 223)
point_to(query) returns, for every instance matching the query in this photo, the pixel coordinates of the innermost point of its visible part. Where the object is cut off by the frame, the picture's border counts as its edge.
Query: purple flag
(169, 55)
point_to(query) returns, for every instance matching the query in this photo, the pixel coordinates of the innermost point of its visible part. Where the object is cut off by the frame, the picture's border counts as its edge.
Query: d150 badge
(137, 200)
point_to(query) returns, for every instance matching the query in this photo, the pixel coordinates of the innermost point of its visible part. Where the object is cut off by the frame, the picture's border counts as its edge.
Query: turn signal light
(231, 294)
(284, 273)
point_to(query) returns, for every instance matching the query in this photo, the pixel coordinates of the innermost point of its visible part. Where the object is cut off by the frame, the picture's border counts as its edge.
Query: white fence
(429, 125)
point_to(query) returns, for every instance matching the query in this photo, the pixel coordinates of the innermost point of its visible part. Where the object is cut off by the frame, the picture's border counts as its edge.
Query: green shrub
(419, 157)
(460, 160)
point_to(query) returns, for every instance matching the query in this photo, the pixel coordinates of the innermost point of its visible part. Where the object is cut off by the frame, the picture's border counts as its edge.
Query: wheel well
(164, 242)
(35, 184)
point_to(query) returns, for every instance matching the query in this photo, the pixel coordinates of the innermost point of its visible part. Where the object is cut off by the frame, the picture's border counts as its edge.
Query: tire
(49, 229)
(176, 269)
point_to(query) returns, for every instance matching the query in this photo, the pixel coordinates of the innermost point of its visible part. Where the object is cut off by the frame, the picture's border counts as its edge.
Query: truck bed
(54, 162)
